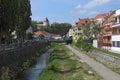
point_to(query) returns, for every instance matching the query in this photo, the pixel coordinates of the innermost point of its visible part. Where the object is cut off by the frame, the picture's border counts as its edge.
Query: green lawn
(64, 65)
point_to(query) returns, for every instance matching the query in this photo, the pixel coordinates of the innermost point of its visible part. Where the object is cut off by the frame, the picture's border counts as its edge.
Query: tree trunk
(0, 35)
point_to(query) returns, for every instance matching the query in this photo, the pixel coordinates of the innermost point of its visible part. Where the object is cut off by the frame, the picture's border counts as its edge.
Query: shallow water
(42, 62)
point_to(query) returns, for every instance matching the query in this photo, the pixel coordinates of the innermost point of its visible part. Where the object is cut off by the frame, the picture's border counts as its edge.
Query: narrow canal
(42, 62)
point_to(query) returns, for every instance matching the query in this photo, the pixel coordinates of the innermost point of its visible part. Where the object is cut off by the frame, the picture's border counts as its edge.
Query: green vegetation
(91, 30)
(108, 52)
(17, 67)
(64, 65)
(88, 47)
(57, 28)
(83, 46)
(14, 16)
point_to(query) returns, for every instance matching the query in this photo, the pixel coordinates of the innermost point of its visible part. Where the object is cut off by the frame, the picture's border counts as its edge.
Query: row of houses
(109, 37)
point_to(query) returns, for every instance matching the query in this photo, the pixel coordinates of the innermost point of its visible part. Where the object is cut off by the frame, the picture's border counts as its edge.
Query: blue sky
(70, 10)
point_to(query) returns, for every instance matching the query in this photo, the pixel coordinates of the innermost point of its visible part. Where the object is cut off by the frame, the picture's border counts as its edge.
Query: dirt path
(103, 71)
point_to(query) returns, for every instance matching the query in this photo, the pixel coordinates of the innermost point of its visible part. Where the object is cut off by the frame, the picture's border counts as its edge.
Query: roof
(41, 32)
(101, 16)
(56, 35)
(82, 22)
(109, 18)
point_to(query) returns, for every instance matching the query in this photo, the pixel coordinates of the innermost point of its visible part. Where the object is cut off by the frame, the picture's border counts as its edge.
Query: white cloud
(78, 6)
(95, 3)
(82, 12)
(88, 8)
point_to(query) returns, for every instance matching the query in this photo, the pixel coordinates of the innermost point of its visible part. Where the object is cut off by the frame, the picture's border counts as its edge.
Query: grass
(64, 65)
(108, 52)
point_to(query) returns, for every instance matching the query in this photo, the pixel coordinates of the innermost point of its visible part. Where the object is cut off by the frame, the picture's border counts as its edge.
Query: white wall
(95, 43)
(115, 49)
(99, 20)
(117, 12)
(115, 37)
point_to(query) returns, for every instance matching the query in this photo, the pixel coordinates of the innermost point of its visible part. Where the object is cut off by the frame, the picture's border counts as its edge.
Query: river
(42, 62)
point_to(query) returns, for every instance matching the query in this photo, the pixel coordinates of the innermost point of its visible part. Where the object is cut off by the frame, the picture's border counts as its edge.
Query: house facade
(116, 32)
(101, 20)
(76, 33)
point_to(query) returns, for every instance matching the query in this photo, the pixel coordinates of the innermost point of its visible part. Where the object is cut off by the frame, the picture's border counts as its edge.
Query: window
(79, 28)
(113, 43)
(118, 31)
(75, 33)
(117, 43)
(119, 19)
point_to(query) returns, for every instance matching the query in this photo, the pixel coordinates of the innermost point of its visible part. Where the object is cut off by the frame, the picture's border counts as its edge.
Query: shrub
(83, 46)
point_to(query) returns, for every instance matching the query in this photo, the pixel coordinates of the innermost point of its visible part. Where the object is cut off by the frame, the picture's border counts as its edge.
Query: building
(105, 22)
(56, 36)
(107, 31)
(77, 31)
(42, 23)
(116, 32)
(44, 33)
(82, 22)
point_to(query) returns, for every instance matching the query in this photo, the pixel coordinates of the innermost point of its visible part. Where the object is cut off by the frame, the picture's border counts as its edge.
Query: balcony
(116, 25)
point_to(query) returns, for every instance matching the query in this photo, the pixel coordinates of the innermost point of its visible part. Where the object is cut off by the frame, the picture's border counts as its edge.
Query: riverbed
(42, 62)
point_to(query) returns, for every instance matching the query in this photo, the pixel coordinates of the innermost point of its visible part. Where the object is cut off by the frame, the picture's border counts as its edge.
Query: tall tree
(14, 15)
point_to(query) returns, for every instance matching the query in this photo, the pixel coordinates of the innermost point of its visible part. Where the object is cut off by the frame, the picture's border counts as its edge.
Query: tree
(29, 36)
(57, 28)
(33, 23)
(60, 28)
(91, 30)
(14, 16)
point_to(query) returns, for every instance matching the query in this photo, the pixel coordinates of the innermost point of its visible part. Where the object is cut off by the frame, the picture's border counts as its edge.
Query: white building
(116, 32)
(75, 32)
(57, 36)
(43, 23)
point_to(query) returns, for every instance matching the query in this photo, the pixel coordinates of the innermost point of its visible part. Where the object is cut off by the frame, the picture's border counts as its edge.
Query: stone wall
(9, 56)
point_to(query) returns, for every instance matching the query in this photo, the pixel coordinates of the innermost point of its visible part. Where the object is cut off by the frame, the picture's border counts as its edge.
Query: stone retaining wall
(8, 56)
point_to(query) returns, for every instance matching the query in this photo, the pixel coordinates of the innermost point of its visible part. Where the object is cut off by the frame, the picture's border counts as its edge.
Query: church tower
(46, 22)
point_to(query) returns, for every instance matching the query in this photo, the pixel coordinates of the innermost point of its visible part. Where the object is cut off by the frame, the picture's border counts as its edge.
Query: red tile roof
(101, 16)
(41, 32)
(82, 22)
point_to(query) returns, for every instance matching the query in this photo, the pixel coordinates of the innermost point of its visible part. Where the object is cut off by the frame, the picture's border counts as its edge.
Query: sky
(70, 10)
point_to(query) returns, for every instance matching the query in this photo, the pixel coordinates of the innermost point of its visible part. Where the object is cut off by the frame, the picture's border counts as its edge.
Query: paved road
(106, 73)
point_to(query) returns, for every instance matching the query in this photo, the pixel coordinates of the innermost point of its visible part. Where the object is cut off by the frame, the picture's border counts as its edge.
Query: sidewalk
(103, 71)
